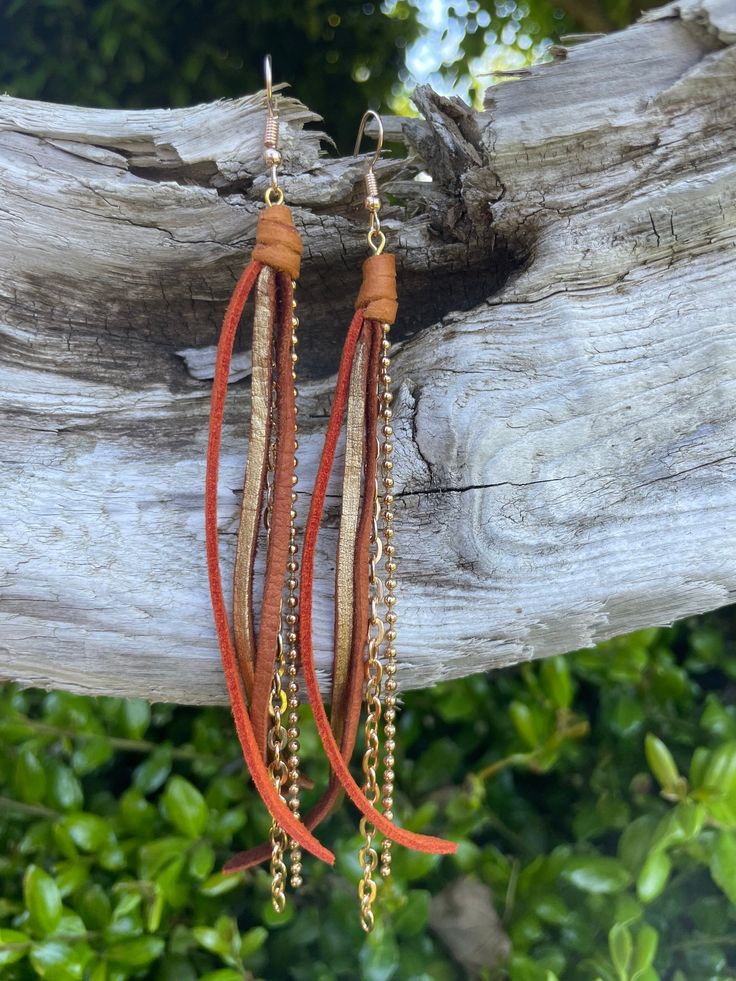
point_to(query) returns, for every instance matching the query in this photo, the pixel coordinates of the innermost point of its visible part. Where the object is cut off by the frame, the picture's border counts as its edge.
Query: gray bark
(565, 361)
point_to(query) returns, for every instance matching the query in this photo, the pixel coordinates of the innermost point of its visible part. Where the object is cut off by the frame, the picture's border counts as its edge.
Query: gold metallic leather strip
(251, 508)
(355, 447)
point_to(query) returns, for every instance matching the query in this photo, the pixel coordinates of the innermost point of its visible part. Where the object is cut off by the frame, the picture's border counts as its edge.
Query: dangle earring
(365, 597)
(365, 616)
(261, 665)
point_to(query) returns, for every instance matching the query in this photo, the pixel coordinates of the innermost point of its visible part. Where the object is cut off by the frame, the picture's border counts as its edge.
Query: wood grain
(566, 430)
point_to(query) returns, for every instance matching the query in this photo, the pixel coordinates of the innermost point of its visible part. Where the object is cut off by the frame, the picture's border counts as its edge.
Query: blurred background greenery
(593, 796)
(339, 56)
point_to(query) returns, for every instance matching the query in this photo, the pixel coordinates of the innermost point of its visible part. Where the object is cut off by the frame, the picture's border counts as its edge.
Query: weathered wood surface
(566, 421)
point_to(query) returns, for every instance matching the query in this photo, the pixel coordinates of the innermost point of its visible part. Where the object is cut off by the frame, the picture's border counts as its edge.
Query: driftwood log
(566, 361)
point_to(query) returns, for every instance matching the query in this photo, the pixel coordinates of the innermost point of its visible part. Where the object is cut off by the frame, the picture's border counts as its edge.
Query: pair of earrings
(261, 663)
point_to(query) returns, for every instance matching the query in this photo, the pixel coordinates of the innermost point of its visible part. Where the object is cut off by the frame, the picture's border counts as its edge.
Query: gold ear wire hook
(271, 152)
(370, 114)
(268, 76)
(372, 199)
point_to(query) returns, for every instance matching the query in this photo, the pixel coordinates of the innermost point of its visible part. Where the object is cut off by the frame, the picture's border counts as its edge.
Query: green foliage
(594, 795)
(138, 54)
(340, 56)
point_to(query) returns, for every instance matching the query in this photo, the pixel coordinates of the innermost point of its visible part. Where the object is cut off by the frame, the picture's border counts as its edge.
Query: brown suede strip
(278, 243)
(377, 296)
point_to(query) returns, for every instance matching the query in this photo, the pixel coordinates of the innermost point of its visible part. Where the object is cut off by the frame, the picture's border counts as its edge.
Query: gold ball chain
(292, 616)
(389, 597)
(368, 856)
(276, 739)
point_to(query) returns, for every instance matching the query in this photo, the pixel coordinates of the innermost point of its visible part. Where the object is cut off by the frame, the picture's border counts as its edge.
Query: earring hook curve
(268, 76)
(370, 114)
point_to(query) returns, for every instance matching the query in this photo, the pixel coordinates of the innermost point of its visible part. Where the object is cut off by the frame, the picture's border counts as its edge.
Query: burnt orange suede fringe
(345, 717)
(283, 251)
(423, 843)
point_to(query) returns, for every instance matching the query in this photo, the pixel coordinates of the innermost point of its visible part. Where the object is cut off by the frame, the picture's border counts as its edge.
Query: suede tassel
(355, 393)
(249, 660)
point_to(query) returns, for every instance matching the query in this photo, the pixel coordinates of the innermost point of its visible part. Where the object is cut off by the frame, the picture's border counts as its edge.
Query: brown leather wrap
(278, 243)
(377, 296)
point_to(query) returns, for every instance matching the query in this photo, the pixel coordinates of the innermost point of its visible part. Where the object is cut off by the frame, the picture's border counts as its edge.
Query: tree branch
(565, 413)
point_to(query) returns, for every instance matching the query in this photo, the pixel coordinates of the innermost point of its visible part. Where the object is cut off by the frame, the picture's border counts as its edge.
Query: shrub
(594, 798)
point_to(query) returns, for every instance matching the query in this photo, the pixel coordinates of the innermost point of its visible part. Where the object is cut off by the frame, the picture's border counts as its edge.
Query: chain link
(368, 855)
(292, 615)
(286, 702)
(389, 598)
(276, 741)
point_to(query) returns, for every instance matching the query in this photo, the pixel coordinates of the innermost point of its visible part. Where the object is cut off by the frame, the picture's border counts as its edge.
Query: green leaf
(653, 876)
(552, 909)
(626, 714)
(30, 777)
(661, 762)
(156, 855)
(91, 754)
(57, 961)
(88, 831)
(211, 940)
(153, 771)
(13, 946)
(138, 815)
(412, 918)
(138, 952)
(135, 716)
(154, 908)
(634, 844)
(184, 806)
(720, 772)
(596, 874)
(555, 677)
(252, 941)
(97, 970)
(689, 818)
(43, 900)
(621, 948)
(172, 884)
(64, 790)
(224, 974)
(70, 876)
(94, 907)
(723, 863)
(201, 860)
(698, 765)
(221, 883)
(523, 720)
(379, 957)
(645, 950)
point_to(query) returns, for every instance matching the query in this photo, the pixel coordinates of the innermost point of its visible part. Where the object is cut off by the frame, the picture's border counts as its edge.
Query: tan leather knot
(377, 297)
(278, 243)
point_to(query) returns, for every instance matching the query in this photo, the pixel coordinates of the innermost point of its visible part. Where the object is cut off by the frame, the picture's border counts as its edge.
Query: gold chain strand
(389, 599)
(276, 741)
(277, 736)
(374, 671)
(292, 669)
